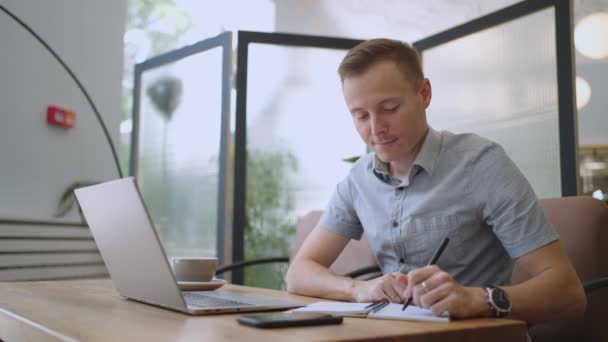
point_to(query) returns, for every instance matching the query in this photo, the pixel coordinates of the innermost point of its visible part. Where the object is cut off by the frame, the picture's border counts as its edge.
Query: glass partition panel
(501, 83)
(178, 162)
(299, 132)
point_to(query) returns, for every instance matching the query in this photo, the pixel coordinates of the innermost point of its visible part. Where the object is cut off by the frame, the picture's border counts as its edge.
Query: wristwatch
(498, 301)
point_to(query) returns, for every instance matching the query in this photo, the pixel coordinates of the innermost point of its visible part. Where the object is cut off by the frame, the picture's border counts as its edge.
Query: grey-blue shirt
(460, 186)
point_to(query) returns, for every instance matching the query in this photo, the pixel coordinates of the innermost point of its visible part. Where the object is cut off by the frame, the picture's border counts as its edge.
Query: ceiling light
(583, 92)
(590, 35)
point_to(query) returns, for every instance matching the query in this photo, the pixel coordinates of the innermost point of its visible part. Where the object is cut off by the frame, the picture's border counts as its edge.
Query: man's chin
(385, 157)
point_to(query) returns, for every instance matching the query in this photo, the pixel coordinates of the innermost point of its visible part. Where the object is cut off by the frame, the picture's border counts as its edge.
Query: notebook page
(393, 311)
(337, 308)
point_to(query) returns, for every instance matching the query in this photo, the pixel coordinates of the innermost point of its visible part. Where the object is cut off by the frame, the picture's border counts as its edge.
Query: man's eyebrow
(390, 99)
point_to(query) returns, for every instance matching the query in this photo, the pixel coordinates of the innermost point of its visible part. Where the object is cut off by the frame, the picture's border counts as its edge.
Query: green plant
(165, 93)
(269, 227)
(67, 201)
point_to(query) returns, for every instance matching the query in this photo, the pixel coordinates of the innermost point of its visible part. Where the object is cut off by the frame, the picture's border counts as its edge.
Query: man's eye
(391, 108)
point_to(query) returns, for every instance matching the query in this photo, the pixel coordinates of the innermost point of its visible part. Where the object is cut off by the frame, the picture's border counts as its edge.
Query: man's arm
(554, 292)
(508, 205)
(309, 273)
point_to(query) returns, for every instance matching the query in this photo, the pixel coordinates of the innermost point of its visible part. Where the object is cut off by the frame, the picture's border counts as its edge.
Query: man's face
(388, 111)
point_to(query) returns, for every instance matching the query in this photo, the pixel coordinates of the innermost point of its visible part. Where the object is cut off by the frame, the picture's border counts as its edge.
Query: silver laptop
(137, 263)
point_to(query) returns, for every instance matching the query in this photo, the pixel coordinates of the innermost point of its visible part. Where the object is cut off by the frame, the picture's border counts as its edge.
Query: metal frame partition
(565, 71)
(224, 41)
(240, 163)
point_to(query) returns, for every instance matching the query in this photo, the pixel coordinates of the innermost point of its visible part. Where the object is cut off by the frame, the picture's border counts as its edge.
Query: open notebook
(382, 310)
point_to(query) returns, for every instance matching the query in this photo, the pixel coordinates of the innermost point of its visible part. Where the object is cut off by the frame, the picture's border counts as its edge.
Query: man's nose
(377, 124)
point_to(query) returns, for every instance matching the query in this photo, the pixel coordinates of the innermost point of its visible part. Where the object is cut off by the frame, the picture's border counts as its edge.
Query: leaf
(351, 159)
(68, 200)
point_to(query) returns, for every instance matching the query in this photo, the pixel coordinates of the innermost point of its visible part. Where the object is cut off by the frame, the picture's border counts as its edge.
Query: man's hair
(360, 58)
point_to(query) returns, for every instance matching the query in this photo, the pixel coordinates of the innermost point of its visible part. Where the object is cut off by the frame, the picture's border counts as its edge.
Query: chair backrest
(355, 255)
(582, 223)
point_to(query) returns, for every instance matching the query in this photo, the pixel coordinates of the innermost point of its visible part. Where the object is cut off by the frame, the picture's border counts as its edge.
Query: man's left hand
(435, 289)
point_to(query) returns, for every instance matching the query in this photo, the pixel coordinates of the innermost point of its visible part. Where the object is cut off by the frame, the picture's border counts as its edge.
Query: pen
(377, 305)
(433, 260)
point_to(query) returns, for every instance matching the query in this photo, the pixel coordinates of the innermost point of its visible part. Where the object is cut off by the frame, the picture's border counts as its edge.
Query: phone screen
(288, 319)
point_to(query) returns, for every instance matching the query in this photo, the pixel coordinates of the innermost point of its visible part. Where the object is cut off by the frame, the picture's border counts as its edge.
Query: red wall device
(60, 117)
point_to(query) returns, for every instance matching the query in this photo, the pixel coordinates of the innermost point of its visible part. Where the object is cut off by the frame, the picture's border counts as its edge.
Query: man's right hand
(390, 286)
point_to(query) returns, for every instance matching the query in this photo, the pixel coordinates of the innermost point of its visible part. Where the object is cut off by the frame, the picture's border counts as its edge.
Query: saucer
(201, 285)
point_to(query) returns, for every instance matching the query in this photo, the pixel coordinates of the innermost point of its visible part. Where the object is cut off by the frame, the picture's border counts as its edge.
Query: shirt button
(401, 260)
(395, 224)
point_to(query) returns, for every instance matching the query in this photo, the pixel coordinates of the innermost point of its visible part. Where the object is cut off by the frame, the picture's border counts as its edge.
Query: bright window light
(126, 126)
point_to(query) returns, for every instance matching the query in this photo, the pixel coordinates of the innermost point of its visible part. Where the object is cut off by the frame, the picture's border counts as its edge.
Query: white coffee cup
(194, 269)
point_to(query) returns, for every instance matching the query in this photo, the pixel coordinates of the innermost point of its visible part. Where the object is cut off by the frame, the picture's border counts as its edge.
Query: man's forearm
(306, 277)
(548, 296)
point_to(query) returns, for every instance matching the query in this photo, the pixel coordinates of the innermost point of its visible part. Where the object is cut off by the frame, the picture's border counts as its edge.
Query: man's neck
(401, 168)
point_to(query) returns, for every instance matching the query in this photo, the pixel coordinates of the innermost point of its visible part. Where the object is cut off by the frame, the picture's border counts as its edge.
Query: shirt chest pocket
(419, 237)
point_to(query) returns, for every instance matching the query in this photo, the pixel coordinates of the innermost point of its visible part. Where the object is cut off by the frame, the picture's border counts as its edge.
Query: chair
(582, 223)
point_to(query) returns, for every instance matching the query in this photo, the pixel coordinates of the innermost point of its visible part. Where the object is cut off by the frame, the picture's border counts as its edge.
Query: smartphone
(288, 319)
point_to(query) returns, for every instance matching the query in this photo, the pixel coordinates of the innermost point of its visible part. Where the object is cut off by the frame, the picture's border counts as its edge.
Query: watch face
(501, 299)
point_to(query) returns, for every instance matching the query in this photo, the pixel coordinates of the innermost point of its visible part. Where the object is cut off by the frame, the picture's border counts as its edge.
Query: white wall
(38, 161)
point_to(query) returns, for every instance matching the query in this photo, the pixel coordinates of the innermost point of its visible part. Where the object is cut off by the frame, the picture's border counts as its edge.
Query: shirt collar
(429, 152)
(426, 158)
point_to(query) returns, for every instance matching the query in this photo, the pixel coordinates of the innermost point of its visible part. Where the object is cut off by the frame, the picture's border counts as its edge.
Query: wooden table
(91, 310)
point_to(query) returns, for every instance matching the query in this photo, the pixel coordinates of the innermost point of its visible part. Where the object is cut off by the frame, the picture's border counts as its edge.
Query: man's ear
(426, 92)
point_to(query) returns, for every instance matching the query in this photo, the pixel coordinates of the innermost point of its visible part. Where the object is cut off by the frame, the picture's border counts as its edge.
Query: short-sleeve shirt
(461, 186)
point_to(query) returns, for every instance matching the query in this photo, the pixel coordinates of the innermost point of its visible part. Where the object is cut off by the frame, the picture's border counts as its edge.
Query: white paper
(337, 308)
(390, 311)
(393, 311)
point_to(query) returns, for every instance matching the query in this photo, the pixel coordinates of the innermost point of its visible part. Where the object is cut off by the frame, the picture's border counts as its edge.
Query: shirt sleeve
(509, 205)
(340, 216)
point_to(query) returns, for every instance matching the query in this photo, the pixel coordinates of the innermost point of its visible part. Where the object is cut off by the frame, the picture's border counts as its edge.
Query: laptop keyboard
(200, 300)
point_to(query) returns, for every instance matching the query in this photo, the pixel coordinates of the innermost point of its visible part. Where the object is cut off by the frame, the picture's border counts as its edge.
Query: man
(420, 186)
